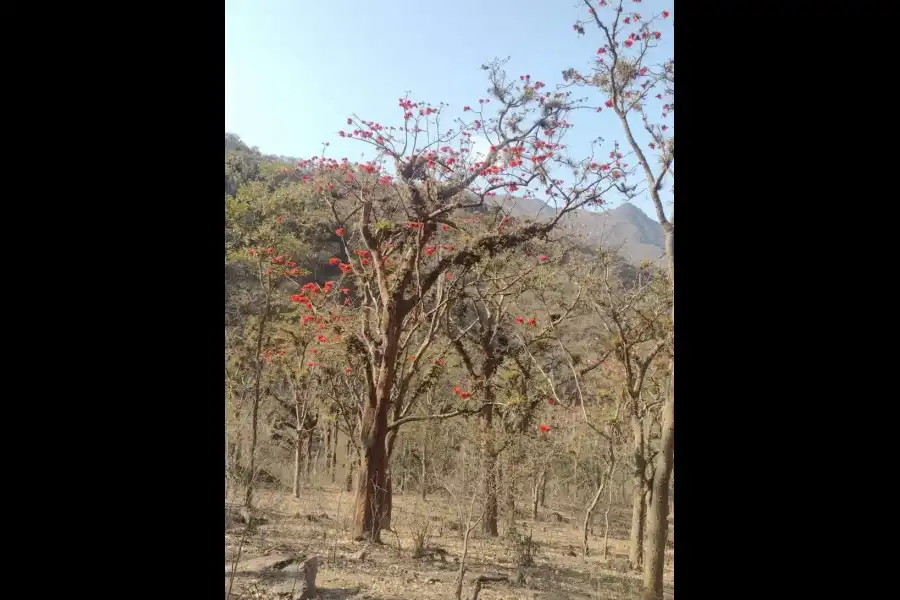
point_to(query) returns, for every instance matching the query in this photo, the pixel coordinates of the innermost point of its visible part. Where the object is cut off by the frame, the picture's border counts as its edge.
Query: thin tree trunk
(424, 482)
(488, 470)
(298, 465)
(254, 411)
(575, 479)
(334, 452)
(309, 453)
(636, 540)
(351, 463)
(589, 514)
(657, 517)
(542, 488)
(298, 451)
(609, 502)
(387, 511)
(535, 496)
(329, 447)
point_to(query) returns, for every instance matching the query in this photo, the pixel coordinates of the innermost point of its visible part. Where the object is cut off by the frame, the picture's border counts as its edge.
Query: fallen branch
(482, 579)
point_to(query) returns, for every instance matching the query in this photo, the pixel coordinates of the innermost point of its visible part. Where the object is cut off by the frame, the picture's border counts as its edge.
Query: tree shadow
(336, 593)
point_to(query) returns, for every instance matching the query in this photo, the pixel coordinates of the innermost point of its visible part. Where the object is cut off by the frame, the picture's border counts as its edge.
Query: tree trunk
(537, 493)
(351, 462)
(298, 465)
(657, 517)
(609, 502)
(488, 471)
(254, 411)
(334, 438)
(575, 478)
(390, 441)
(424, 482)
(589, 513)
(542, 488)
(636, 541)
(388, 500)
(371, 482)
(370, 489)
(329, 447)
(309, 453)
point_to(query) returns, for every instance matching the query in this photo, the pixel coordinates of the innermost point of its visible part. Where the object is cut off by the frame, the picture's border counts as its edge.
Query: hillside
(626, 227)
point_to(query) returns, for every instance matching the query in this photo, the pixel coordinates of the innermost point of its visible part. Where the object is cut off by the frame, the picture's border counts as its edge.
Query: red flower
(345, 290)
(544, 258)
(601, 50)
(666, 14)
(657, 34)
(349, 121)
(270, 250)
(609, 103)
(339, 231)
(410, 358)
(465, 395)
(444, 227)
(429, 251)
(322, 338)
(347, 370)
(365, 261)
(251, 252)
(439, 361)
(456, 389)
(520, 320)
(449, 275)
(465, 108)
(532, 321)
(551, 401)
(334, 261)
(297, 298)
(544, 428)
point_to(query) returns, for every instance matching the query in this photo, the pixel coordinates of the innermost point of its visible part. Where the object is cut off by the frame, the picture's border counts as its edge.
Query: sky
(296, 69)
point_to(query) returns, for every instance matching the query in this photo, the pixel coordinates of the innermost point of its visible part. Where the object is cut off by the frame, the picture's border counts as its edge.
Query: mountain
(625, 227)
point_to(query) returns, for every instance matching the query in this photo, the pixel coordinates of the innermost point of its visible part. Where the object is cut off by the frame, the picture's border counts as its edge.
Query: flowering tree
(490, 336)
(625, 74)
(404, 246)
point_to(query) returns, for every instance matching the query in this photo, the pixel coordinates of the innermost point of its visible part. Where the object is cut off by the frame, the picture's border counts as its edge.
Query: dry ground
(319, 521)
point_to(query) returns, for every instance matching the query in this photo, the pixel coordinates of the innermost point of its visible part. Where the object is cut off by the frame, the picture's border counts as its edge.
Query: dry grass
(319, 522)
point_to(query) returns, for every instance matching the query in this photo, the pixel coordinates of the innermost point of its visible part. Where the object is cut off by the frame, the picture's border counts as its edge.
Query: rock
(243, 515)
(360, 555)
(298, 579)
(260, 564)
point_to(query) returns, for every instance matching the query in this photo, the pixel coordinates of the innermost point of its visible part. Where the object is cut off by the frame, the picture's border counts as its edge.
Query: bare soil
(318, 523)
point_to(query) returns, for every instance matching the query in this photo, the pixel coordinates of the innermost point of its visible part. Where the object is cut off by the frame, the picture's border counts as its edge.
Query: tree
(403, 245)
(628, 80)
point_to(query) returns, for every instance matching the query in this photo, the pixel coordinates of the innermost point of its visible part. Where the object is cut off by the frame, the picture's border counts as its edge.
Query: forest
(438, 382)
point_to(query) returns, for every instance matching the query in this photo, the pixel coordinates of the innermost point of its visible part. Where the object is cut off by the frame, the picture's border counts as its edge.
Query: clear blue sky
(295, 69)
